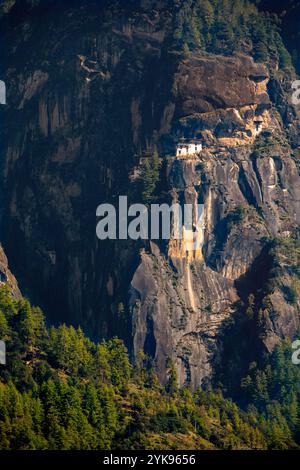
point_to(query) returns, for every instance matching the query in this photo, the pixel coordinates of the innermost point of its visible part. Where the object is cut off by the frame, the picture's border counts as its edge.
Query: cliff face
(87, 100)
(6, 277)
(188, 308)
(96, 93)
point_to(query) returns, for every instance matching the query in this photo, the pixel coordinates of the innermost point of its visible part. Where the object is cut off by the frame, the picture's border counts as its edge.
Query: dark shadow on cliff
(240, 339)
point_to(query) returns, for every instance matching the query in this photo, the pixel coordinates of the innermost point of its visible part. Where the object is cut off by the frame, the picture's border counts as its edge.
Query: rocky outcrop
(248, 184)
(6, 277)
(177, 313)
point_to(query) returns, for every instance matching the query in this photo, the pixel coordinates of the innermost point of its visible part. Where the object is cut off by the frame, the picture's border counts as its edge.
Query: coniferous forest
(62, 391)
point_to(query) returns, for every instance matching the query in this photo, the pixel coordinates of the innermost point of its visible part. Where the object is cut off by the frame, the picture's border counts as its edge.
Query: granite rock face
(92, 100)
(6, 277)
(181, 301)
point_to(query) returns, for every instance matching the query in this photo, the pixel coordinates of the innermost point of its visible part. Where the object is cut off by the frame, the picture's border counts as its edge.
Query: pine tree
(149, 177)
(172, 380)
(261, 52)
(4, 328)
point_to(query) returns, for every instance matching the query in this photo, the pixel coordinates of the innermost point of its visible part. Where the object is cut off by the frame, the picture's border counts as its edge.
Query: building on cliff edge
(188, 148)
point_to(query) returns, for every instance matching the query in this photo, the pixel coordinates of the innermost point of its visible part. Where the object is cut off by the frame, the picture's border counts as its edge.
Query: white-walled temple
(188, 148)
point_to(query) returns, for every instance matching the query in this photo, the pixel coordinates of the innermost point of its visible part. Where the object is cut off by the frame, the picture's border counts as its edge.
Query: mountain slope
(61, 391)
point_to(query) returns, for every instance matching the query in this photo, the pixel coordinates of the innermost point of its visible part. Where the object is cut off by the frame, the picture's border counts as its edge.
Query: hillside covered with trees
(59, 390)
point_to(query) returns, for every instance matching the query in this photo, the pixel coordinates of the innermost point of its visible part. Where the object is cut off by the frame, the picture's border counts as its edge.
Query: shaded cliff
(103, 88)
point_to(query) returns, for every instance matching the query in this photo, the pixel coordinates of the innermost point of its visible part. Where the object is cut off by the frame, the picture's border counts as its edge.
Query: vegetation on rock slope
(215, 26)
(59, 390)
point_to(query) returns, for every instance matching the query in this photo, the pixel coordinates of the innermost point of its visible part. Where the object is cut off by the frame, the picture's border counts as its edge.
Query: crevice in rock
(246, 188)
